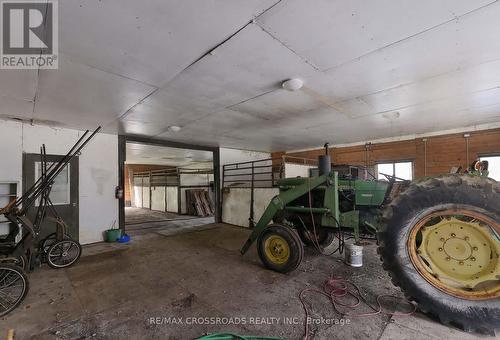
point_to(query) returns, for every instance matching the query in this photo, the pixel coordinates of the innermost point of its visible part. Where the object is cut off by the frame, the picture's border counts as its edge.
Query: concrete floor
(140, 215)
(139, 221)
(115, 290)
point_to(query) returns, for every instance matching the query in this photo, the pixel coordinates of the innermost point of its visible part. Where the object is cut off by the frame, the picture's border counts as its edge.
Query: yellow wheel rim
(277, 249)
(457, 251)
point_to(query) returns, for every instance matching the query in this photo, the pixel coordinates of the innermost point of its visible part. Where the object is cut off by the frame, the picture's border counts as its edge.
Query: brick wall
(443, 152)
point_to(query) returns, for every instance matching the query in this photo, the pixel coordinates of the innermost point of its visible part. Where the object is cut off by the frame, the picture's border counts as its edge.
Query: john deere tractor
(439, 237)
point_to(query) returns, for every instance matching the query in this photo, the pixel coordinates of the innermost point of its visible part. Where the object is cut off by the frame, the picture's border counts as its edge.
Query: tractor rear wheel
(440, 244)
(280, 248)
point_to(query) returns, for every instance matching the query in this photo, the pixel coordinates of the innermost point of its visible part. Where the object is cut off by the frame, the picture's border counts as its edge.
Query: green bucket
(113, 234)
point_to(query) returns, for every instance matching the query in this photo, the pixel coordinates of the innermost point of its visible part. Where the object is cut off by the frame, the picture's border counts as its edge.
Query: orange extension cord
(336, 288)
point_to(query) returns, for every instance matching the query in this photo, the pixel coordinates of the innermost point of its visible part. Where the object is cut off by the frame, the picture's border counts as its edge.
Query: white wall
(98, 179)
(98, 173)
(158, 198)
(10, 151)
(236, 204)
(137, 196)
(262, 197)
(228, 156)
(172, 201)
(297, 170)
(145, 197)
(195, 179)
(158, 195)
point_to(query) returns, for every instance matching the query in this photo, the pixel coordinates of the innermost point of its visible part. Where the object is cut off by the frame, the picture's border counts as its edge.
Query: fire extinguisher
(118, 192)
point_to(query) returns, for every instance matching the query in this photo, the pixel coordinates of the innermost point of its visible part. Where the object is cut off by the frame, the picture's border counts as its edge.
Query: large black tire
(476, 194)
(292, 240)
(12, 276)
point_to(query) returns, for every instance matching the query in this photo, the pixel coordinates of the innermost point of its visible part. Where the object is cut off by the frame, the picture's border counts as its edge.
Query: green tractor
(439, 238)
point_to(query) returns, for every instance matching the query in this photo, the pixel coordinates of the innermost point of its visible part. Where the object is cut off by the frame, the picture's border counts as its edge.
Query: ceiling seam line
(205, 55)
(229, 107)
(37, 78)
(157, 88)
(253, 21)
(390, 88)
(229, 37)
(361, 116)
(16, 97)
(180, 72)
(109, 72)
(35, 96)
(216, 47)
(268, 9)
(209, 52)
(409, 37)
(421, 103)
(361, 96)
(304, 59)
(422, 79)
(248, 99)
(134, 105)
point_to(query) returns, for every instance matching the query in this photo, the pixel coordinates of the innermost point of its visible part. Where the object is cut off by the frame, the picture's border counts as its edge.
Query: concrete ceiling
(161, 155)
(372, 69)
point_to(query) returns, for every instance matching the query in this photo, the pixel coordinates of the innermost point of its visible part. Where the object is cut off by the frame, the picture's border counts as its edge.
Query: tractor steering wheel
(391, 178)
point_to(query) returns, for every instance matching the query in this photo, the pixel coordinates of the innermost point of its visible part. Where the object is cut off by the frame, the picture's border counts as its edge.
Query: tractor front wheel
(280, 248)
(440, 244)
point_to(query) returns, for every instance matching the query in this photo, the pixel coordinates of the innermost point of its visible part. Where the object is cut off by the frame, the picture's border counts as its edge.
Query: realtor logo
(29, 38)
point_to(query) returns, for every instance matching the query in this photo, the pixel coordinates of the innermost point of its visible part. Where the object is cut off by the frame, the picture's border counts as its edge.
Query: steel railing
(263, 173)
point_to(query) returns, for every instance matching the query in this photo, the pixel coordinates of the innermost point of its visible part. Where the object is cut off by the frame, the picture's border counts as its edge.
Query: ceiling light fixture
(174, 128)
(391, 115)
(292, 84)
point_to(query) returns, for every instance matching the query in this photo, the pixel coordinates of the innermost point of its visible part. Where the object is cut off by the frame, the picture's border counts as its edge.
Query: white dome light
(292, 84)
(174, 128)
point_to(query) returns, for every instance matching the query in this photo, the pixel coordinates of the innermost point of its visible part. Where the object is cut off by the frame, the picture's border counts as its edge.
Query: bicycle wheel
(13, 287)
(63, 253)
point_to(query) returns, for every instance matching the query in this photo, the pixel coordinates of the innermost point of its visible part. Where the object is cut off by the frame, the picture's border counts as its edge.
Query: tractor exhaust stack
(325, 162)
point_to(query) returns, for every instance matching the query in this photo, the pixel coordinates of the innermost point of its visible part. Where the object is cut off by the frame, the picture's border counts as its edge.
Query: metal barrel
(353, 255)
(324, 164)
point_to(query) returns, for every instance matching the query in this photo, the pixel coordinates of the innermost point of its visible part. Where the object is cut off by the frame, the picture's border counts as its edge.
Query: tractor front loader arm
(279, 202)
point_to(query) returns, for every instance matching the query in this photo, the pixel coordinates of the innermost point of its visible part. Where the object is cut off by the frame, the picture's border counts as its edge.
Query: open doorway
(167, 189)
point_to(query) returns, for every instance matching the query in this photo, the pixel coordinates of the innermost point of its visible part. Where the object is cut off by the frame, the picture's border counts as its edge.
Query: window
(493, 166)
(402, 170)
(60, 193)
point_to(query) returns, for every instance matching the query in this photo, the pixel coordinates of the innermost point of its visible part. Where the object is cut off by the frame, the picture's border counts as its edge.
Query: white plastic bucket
(353, 255)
